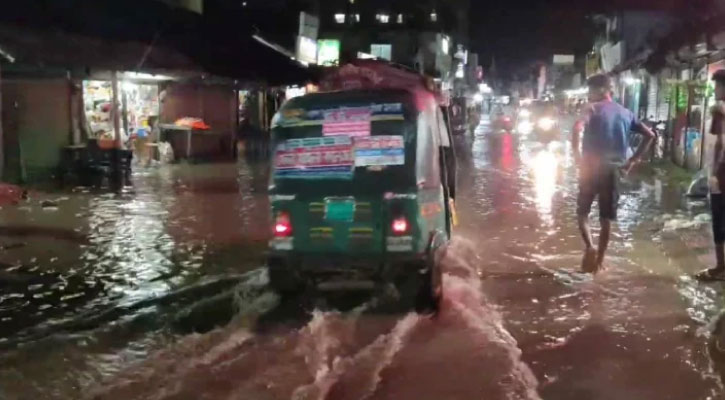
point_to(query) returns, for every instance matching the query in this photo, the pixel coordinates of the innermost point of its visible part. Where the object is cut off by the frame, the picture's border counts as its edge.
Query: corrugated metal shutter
(663, 106)
(652, 90)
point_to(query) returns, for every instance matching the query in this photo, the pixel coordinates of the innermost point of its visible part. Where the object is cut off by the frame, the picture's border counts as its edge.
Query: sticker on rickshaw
(334, 118)
(315, 158)
(376, 151)
(353, 121)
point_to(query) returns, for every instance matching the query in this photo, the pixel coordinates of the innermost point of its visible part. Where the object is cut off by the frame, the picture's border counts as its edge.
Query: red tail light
(282, 225)
(400, 226)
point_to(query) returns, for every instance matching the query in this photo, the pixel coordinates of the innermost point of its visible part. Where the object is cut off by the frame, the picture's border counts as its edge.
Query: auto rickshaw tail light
(400, 226)
(282, 225)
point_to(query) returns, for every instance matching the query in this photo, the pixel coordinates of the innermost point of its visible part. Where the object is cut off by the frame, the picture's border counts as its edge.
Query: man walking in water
(717, 181)
(606, 126)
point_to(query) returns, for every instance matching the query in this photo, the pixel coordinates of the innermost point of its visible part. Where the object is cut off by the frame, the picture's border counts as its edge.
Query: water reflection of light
(128, 241)
(507, 152)
(544, 166)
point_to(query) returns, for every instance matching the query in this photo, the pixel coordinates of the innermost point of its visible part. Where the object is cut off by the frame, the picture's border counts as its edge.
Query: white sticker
(379, 151)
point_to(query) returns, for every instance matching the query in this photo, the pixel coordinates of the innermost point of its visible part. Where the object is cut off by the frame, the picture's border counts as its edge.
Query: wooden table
(193, 143)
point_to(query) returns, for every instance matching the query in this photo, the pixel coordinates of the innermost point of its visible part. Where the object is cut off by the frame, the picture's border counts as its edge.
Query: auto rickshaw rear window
(361, 136)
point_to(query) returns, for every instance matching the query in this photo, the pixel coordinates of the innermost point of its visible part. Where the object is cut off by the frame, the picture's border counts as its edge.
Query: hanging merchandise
(97, 105)
(138, 103)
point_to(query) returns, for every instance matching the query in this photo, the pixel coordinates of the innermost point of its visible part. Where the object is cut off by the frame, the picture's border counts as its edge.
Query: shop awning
(246, 58)
(138, 35)
(36, 48)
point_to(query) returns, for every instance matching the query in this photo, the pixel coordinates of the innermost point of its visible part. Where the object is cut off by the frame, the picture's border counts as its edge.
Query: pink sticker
(347, 122)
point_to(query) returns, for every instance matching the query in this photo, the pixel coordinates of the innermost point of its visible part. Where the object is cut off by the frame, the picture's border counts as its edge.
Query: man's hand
(577, 158)
(629, 165)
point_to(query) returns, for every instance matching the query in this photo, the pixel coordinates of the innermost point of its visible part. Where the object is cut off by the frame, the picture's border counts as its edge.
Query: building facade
(423, 35)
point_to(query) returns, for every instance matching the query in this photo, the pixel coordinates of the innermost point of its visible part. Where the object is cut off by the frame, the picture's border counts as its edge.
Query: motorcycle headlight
(525, 127)
(546, 123)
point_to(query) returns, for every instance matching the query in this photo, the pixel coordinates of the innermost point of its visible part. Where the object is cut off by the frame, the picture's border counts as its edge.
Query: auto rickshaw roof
(374, 74)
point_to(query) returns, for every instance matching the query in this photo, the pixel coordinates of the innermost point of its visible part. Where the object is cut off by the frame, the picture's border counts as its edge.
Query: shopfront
(138, 106)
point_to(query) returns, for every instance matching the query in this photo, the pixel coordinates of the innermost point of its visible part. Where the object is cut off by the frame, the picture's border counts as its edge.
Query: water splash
(346, 355)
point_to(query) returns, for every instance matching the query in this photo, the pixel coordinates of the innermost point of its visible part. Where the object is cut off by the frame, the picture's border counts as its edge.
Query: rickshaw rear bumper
(323, 267)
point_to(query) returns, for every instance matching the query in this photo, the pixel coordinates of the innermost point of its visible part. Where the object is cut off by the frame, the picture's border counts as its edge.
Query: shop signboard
(563, 59)
(592, 64)
(328, 52)
(309, 25)
(383, 51)
(306, 48)
(611, 56)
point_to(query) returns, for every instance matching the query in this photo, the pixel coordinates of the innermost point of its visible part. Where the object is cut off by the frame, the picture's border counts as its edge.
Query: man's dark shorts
(717, 205)
(601, 184)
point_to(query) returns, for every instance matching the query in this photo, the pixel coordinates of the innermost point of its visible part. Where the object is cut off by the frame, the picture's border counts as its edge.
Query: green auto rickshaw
(361, 192)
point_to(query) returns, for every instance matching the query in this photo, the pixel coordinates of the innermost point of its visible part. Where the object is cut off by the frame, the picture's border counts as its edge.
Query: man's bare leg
(585, 231)
(589, 261)
(603, 242)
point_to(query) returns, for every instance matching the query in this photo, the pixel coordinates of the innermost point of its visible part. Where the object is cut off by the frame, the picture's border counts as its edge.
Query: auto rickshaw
(361, 192)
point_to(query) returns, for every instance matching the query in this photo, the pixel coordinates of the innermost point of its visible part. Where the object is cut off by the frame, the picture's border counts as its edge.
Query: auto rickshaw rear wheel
(430, 290)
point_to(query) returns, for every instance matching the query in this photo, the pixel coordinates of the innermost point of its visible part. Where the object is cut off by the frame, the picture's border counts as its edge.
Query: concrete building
(424, 35)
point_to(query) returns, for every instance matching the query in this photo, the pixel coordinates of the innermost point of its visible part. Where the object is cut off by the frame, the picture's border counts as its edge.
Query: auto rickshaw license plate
(342, 210)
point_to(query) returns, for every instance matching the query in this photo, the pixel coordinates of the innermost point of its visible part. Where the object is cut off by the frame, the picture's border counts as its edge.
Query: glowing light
(460, 73)
(340, 18)
(146, 77)
(478, 98)
(400, 225)
(283, 225)
(525, 113)
(445, 45)
(525, 127)
(546, 123)
(577, 92)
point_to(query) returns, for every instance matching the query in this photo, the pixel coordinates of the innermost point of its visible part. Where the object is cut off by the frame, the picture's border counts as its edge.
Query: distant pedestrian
(717, 181)
(606, 126)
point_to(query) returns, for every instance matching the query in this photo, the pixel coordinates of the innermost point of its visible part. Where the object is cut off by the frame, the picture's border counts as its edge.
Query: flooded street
(159, 293)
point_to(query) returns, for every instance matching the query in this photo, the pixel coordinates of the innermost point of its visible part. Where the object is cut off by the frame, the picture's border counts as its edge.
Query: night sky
(519, 32)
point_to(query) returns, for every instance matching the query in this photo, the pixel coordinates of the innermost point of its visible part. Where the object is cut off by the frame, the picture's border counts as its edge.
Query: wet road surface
(102, 296)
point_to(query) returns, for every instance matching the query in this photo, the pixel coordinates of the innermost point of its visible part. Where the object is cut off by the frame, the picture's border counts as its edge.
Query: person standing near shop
(717, 181)
(606, 126)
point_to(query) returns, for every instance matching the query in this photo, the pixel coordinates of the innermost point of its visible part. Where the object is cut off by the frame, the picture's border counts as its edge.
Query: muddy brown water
(157, 293)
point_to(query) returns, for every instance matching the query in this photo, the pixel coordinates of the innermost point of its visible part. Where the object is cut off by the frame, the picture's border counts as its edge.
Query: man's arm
(576, 132)
(717, 129)
(578, 129)
(717, 158)
(649, 138)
